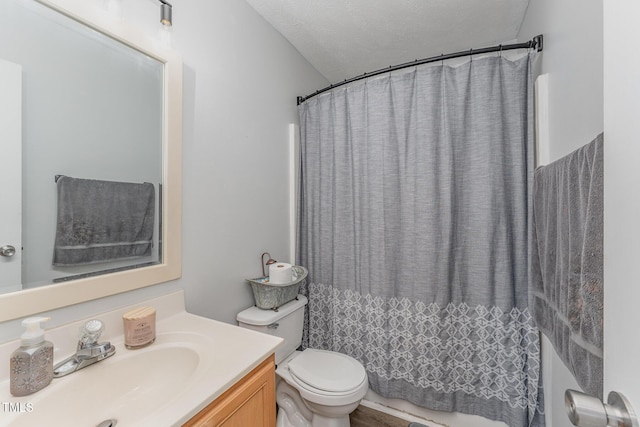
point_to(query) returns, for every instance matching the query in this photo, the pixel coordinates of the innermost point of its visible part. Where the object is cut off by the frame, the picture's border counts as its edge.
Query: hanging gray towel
(101, 221)
(567, 261)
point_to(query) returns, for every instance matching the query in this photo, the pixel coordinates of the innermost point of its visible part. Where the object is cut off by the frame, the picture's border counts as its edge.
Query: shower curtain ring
(500, 52)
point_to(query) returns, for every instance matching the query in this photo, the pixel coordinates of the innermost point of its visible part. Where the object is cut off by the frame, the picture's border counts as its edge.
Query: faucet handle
(90, 333)
(97, 350)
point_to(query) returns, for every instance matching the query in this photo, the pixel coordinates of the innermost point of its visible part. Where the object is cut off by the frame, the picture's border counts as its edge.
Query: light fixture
(165, 13)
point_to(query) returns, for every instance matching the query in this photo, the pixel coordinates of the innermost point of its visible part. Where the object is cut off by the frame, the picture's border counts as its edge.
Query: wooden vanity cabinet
(251, 402)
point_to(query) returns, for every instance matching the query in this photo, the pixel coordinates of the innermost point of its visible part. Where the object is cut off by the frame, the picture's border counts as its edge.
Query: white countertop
(226, 352)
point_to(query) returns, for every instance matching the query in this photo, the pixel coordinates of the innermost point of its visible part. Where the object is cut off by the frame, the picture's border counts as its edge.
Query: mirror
(90, 99)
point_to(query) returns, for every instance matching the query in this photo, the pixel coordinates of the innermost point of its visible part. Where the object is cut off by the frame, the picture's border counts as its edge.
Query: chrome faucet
(89, 350)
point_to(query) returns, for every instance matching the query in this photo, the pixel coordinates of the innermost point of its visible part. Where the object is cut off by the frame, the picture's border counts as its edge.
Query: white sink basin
(128, 386)
(193, 361)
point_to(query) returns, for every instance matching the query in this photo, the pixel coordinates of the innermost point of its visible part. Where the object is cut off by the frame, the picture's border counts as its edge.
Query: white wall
(621, 201)
(573, 59)
(241, 79)
(241, 83)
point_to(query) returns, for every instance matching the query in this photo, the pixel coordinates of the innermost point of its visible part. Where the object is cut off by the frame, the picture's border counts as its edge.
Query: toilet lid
(327, 370)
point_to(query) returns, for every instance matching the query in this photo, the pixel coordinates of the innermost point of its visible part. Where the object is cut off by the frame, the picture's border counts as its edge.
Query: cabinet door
(250, 402)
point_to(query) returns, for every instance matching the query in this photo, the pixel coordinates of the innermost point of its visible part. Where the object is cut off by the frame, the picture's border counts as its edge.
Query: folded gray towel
(101, 221)
(567, 260)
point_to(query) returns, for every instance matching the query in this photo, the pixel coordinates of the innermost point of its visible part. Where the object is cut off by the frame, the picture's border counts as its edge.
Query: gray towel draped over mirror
(567, 260)
(100, 221)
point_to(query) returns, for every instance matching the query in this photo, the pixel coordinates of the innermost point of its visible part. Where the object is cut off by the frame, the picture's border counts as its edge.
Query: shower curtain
(414, 216)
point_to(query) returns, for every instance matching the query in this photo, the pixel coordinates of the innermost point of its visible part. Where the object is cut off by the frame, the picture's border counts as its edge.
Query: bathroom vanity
(249, 402)
(198, 372)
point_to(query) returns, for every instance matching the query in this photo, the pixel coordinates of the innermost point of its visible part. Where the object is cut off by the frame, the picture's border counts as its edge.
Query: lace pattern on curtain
(480, 351)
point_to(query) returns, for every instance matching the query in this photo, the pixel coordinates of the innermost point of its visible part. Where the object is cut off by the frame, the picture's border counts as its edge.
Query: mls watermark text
(16, 407)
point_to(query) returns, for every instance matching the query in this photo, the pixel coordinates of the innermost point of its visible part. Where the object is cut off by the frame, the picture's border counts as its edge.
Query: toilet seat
(327, 372)
(313, 387)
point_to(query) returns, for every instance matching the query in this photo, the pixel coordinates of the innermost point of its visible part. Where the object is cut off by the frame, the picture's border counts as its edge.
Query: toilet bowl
(314, 388)
(330, 384)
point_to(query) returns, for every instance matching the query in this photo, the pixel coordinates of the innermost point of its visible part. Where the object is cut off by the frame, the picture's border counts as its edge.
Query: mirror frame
(30, 301)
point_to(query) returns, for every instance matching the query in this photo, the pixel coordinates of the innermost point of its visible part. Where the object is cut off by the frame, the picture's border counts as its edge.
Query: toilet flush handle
(274, 326)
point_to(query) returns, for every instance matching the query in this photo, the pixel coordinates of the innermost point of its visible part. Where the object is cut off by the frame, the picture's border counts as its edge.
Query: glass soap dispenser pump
(32, 363)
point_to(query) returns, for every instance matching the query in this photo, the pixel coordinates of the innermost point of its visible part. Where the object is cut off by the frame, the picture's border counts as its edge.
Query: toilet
(314, 388)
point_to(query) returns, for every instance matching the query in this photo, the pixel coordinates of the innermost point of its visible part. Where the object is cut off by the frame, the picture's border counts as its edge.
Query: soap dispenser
(32, 363)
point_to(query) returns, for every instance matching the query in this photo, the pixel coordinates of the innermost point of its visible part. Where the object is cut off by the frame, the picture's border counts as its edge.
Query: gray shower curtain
(414, 216)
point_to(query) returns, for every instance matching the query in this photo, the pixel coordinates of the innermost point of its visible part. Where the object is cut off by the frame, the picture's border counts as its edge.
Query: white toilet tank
(285, 323)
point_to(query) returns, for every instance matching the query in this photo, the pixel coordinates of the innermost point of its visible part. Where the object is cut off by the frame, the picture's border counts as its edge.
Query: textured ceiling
(345, 38)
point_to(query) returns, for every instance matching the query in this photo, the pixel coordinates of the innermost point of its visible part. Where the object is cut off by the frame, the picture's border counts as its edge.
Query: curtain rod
(534, 43)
